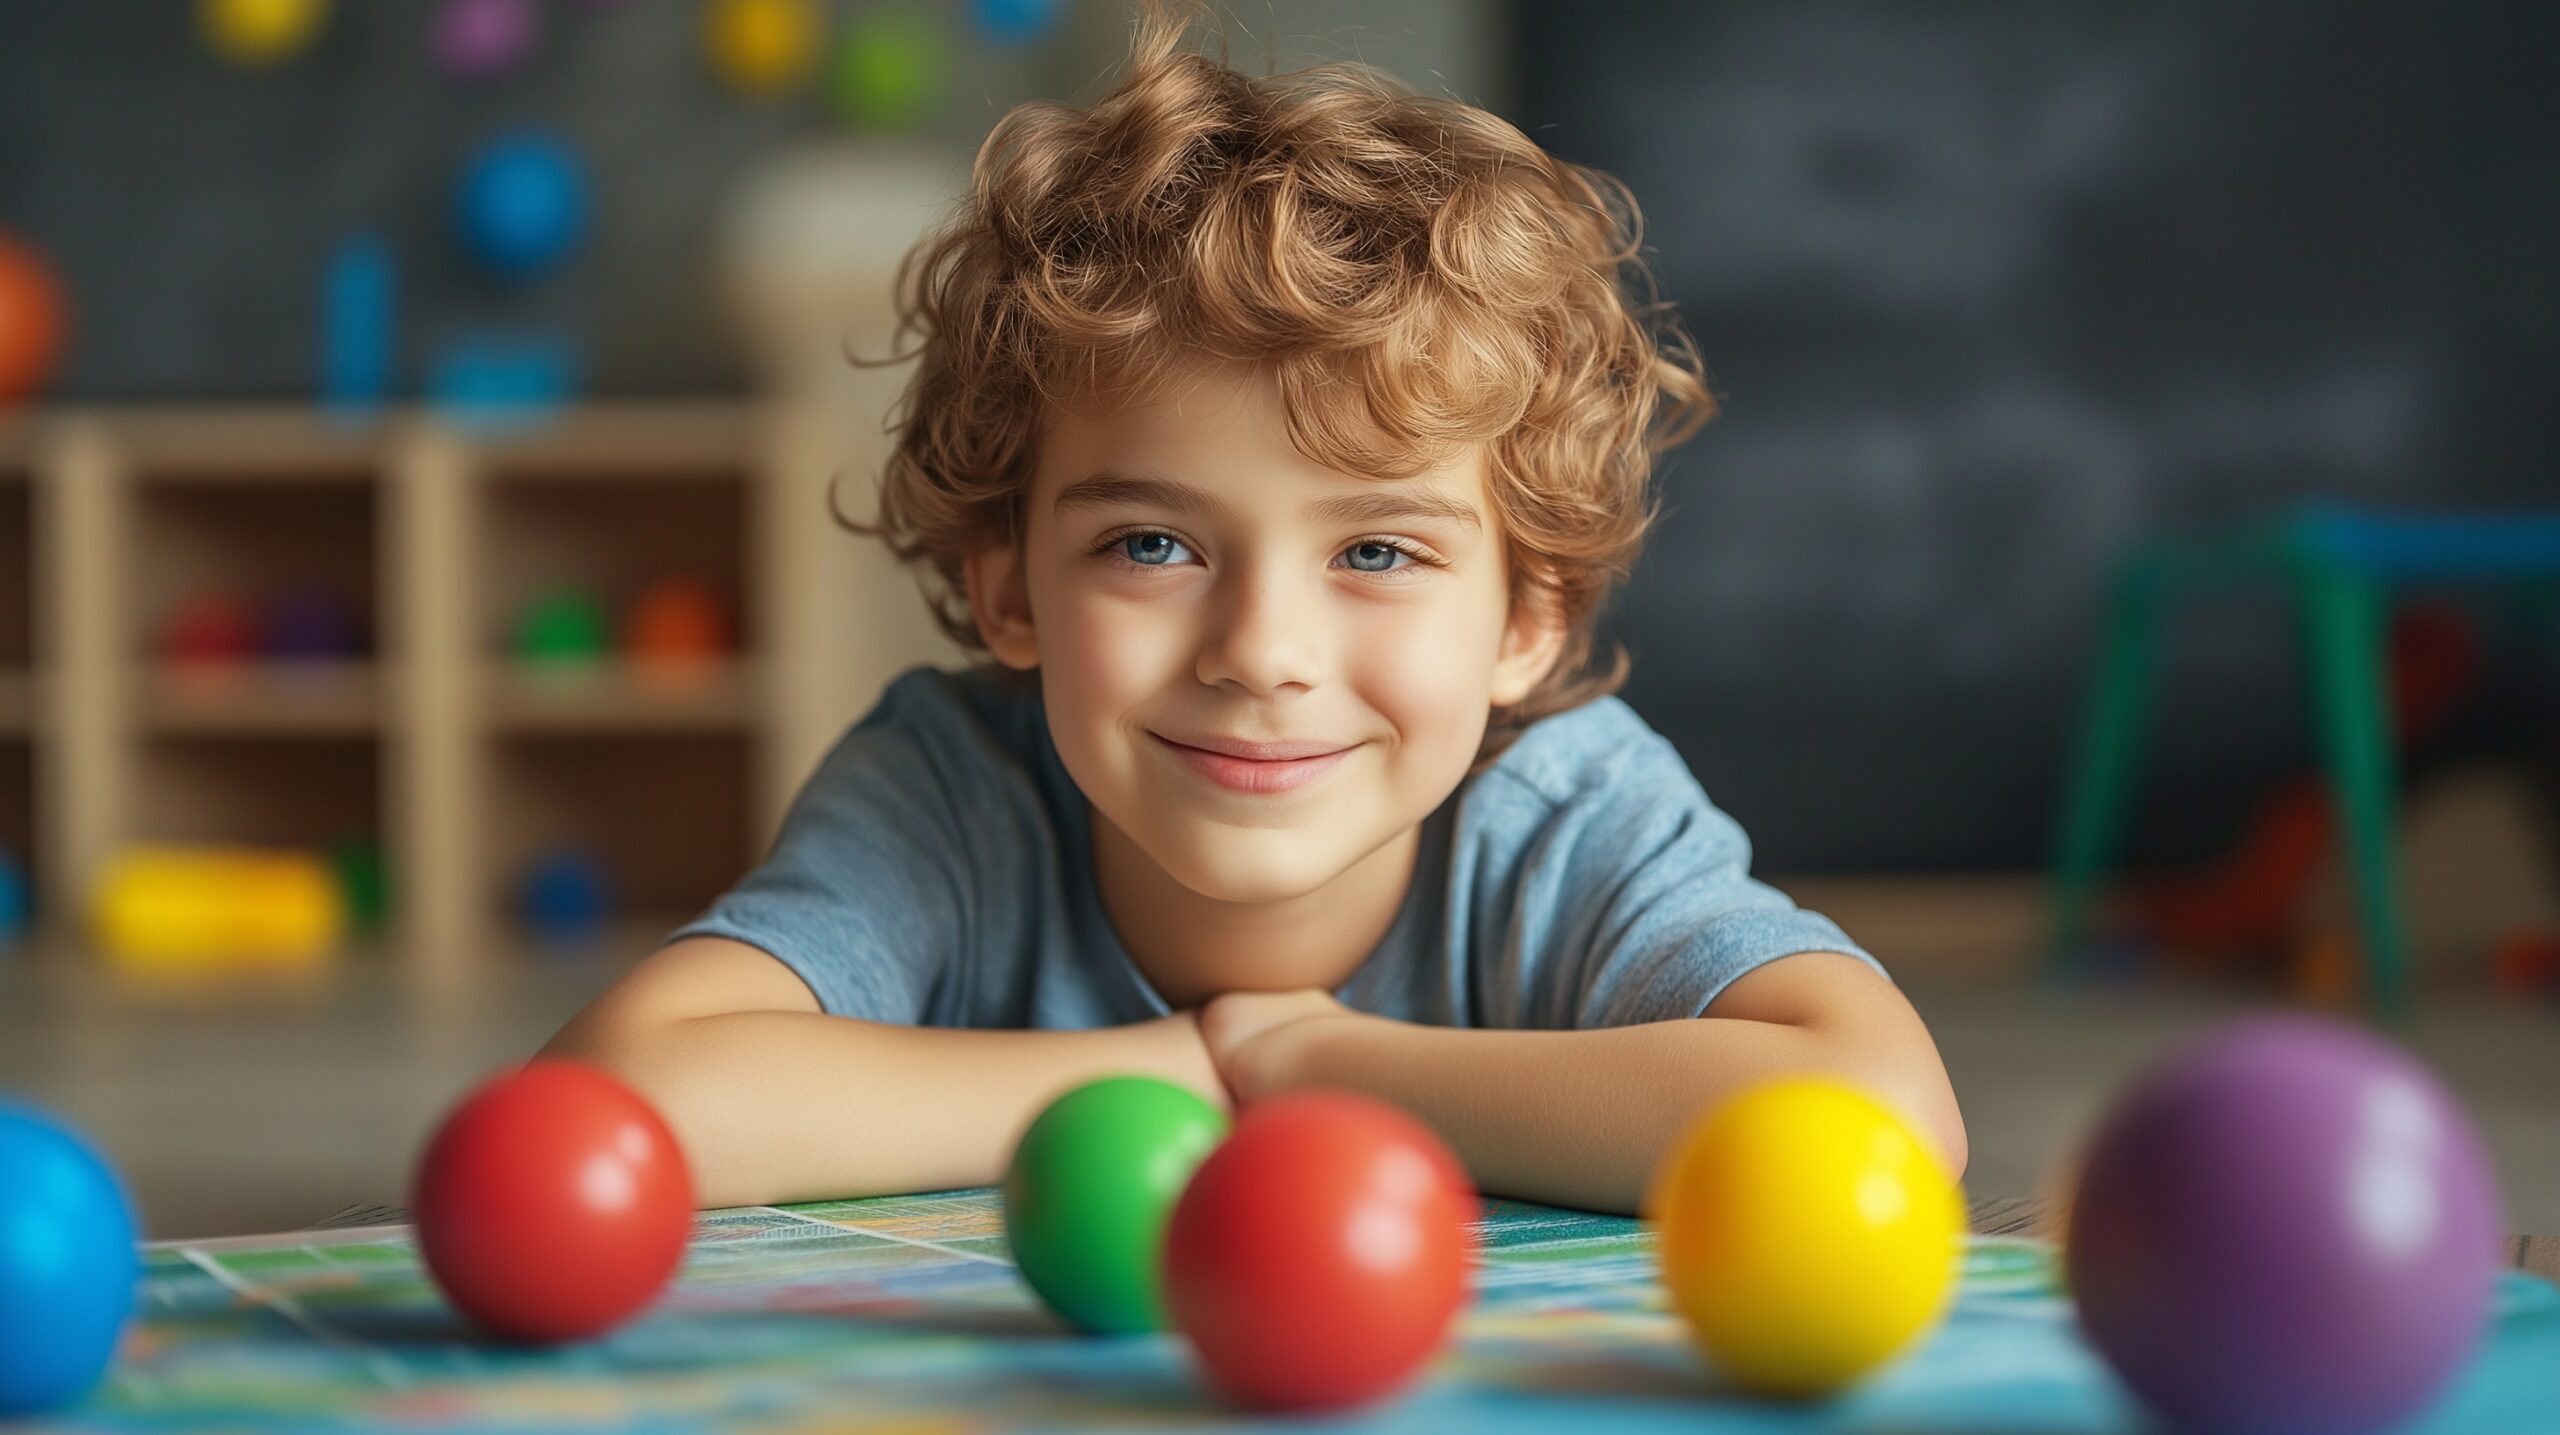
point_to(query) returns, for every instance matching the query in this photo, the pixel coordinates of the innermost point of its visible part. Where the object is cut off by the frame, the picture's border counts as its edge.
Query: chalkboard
(1992, 290)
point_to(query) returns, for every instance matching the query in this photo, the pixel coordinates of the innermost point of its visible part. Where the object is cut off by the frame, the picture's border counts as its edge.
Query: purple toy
(312, 624)
(2289, 1226)
(479, 38)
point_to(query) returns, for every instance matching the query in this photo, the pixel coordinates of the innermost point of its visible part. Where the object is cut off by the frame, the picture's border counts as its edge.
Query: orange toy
(676, 622)
(31, 320)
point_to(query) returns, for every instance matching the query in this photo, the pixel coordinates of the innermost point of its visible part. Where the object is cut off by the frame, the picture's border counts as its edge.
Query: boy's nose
(1267, 633)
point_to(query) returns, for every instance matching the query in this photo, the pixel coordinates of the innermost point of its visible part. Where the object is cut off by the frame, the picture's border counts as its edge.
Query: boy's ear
(1000, 603)
(1531, 643)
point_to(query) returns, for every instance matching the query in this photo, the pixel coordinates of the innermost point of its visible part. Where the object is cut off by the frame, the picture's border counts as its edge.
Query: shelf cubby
(260, 790)
(666, 816)
(253, 540)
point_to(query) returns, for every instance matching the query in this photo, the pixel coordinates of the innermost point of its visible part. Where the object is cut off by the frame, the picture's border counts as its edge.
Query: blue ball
(521, 204)
(567, 896)
(67, 1263)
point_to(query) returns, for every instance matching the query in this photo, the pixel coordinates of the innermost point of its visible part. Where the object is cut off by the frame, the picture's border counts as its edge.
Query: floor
(262, 1111)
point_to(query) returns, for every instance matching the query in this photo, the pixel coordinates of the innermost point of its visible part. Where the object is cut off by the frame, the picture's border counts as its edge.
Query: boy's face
(1187, 580)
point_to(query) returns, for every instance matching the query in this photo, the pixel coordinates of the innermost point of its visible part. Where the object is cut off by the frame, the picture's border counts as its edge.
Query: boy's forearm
(793, 1106)
(1575, 1118)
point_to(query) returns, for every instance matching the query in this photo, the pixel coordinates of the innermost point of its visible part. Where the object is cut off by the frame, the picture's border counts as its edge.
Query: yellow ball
(259, 32)
(761, 47)
(1808, 1235)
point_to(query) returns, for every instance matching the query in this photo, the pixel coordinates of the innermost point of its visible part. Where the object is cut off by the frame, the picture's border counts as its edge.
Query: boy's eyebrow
(1397, 501)
(1108, 487)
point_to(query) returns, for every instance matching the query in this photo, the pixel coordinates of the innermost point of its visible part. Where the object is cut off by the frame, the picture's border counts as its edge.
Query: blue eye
(1154, 550)
(1384, 555)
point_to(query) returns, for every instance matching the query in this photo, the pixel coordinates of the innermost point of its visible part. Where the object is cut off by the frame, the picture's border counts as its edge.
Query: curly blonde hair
(1414, 272)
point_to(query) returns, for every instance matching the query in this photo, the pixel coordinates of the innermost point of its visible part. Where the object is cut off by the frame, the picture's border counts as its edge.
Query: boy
(1279, 439)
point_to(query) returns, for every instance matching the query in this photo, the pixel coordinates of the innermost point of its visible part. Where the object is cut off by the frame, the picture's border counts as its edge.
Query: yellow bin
(166, 910)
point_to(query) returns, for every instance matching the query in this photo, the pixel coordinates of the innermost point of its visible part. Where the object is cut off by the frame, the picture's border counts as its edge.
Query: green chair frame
(2338, 567)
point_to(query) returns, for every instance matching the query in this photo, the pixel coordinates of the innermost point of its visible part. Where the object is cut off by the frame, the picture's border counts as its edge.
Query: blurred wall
(1991, 290)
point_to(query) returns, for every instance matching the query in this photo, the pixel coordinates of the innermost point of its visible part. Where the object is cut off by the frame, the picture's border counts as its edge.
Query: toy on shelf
(209, 627)
(172, 910)
(16, 900)
(309, 623)
(677, 624)
(563, 627)
(363, 881)
(566, 896)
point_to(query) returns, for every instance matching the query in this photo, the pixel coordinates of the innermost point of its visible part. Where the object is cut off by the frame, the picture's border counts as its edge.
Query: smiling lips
(1257, 767)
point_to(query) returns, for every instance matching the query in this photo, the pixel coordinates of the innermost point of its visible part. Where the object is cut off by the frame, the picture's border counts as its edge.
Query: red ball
(1317, 1257)
(553, 1203)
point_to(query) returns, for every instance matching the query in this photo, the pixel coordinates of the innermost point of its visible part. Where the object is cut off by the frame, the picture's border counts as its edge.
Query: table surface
(907, 1311)
(2034, 1219)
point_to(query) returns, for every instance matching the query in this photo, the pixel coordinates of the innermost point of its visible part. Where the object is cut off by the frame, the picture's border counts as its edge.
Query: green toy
(1090, 1189)
(563, 626)
(361, 877)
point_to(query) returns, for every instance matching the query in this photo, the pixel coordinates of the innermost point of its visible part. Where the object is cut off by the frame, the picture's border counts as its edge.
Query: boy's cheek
(1111, 642)
(1434, 687)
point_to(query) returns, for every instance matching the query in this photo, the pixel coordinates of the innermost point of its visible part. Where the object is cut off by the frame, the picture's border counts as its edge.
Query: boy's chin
(1256, 866)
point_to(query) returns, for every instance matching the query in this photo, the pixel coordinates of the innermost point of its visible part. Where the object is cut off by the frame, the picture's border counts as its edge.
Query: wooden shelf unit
(433, 740)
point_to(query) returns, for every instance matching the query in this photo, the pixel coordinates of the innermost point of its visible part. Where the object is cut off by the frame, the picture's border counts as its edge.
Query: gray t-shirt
(937, 870)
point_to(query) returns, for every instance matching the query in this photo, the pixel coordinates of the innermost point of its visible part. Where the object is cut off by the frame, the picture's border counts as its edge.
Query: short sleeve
(1651, 907)
(864, 893)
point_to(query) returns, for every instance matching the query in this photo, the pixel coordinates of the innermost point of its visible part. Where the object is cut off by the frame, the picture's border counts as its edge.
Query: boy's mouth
(1230, 765)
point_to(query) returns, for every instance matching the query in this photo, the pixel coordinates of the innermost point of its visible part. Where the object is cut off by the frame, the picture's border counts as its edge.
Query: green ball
(1090, 1190)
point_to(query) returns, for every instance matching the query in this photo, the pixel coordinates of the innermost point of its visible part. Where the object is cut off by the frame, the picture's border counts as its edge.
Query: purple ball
(476, 38)
(2289, 1226)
